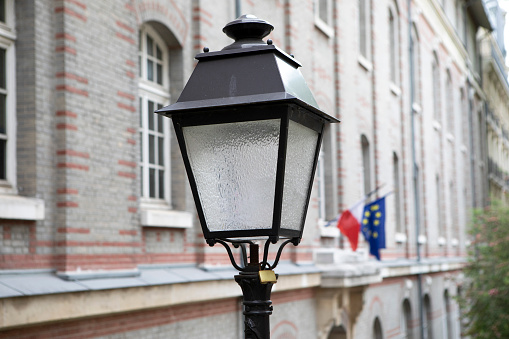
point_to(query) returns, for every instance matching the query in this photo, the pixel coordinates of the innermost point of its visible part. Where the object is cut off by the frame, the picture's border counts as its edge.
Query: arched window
(438, 201)
(447, 316)
(327, 201)
(154, 86)
(454, 229)
(428, 318)
(364, 19)
(393, 44)
(419, 192)
(377, 329)
(416, 79)
(406, 320)
(397, 193)
(450, 103)
(366, 164)
(435, 73)
(337, 332)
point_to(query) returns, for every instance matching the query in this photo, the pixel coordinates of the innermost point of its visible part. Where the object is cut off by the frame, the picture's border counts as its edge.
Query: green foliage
(485, 297)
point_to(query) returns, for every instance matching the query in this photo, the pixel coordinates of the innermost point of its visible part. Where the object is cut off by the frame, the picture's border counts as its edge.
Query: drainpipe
(471, 142)
(238, 9)
(414, 169)
(470, 113)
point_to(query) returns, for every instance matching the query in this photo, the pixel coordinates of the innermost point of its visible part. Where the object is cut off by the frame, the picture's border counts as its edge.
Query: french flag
(350, 223)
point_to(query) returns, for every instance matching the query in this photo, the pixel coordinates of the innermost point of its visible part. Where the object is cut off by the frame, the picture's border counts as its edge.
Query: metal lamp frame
(283, 111)
(250, 80)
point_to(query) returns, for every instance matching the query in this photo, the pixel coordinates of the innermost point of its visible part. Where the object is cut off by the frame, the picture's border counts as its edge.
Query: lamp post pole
(257, 303)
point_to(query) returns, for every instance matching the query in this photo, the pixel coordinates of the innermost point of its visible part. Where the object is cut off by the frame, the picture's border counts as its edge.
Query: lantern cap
(247, 72)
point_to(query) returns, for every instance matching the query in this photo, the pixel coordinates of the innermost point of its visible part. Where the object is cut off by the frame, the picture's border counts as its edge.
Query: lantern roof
(250, 71)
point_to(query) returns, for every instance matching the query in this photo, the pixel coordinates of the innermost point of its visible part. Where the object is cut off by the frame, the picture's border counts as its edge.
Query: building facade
(496, 87)
(98, 233)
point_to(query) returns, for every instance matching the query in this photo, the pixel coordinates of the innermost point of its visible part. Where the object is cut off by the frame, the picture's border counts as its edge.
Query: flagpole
(375, 190)
(330, 222)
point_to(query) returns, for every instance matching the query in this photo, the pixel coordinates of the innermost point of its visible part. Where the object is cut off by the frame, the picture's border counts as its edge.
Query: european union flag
(373, 226)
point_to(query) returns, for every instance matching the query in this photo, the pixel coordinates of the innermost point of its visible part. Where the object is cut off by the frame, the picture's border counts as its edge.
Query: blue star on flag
(373, 226)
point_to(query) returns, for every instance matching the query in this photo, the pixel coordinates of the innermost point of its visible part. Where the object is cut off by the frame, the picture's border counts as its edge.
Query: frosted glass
(234, 166)
(299, 167)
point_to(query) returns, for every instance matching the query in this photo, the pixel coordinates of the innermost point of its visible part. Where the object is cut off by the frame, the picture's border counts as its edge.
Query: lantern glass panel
(234, 167)
(300, 154)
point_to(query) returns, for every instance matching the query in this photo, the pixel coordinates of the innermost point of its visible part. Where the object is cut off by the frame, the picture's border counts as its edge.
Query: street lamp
(249, 131)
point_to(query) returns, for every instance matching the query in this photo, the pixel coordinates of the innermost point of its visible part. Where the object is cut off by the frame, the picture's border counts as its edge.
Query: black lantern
(249, 131)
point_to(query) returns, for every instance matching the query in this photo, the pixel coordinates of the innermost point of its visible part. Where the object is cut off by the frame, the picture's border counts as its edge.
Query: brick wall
(78, 146)
(212, 319)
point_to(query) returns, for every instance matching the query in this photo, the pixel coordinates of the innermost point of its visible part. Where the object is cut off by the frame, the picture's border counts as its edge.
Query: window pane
(362, 27)
(2, 68)
(159, 53)
(150, 114)
(323, 10)
(150, 46)
(161, 184)
(159, 74)
(151, 149)
(392, 46)
(3, 160)
(150, 70)
(152, 183)
(3, 123)
(159, 122)
(161, 151)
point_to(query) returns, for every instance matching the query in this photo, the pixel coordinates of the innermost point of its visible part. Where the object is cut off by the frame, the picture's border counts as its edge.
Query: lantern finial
(247, 31)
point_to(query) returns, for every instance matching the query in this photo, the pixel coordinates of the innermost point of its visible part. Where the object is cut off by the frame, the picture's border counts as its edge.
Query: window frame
(416, 63)
(406, 319)
(326, 177)
(159, 94)
(145, 133)
(394, 44)
(147, 30)
(8, 185)
(366, 164)
(327, 11)
(364, 34)
(439, 207)
(451, 103)
(398, 189)
(324, 24)
(437, 93)
(428, 316)
(377, 329)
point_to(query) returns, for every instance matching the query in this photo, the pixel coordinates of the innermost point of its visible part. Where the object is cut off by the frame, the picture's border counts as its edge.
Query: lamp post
(249, 131)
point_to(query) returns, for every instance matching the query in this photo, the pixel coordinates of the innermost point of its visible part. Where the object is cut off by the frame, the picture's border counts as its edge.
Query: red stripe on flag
(350, 227)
